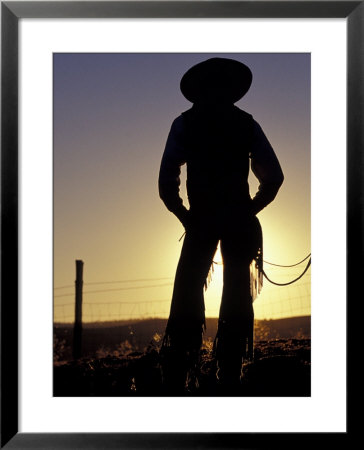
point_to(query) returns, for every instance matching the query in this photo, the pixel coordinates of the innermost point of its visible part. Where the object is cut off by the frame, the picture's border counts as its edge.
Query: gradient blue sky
(112, 114)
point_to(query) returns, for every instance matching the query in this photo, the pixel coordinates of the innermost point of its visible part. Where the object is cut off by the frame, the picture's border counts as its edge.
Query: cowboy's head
(216, 81)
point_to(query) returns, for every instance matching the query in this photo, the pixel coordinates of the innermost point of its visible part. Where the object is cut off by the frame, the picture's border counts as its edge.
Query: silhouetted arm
(266, 168)
(170, 171)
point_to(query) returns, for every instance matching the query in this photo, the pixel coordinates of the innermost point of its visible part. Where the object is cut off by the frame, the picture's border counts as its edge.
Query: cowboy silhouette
(218, 142)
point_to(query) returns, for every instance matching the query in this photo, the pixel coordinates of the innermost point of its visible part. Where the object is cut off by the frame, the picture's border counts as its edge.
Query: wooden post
(77, 331)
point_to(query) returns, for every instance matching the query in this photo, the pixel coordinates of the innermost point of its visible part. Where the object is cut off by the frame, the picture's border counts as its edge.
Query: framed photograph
(89, 93)
(122, 305)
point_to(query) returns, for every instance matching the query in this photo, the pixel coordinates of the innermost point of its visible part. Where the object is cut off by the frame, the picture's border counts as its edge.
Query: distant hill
(293, 327)
(100, 338)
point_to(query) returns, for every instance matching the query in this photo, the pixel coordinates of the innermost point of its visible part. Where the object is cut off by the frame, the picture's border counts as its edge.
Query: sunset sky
(112, 115)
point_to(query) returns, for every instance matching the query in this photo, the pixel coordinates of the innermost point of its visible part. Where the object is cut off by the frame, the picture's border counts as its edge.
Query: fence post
(77, 331)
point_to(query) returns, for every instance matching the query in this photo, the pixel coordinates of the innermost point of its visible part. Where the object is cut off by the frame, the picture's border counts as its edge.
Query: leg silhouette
(183, 337)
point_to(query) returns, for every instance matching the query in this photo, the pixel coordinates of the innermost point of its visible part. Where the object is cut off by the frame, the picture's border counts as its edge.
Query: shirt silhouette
(218, 142)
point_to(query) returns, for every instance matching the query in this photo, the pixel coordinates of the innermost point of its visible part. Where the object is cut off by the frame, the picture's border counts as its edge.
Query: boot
(228, 351)
(229, 366)
(180, 363)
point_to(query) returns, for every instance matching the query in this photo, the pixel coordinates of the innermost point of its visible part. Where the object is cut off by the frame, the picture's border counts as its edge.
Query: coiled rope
(292, 265)
(276, 265)
(293, 281)
(281, 265)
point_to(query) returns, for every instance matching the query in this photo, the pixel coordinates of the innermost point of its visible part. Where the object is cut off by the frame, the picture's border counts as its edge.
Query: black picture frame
(11, 12)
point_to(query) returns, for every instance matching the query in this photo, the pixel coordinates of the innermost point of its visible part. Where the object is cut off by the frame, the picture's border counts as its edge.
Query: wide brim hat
(216, 80)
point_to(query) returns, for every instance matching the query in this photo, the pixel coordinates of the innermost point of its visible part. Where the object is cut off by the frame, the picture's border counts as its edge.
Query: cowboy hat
(216, 79)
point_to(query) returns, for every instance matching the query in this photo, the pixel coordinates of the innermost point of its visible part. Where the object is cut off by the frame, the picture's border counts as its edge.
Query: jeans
(238, 233)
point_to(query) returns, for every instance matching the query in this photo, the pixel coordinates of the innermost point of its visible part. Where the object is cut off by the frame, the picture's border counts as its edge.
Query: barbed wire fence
(278, 301)
(273, 302)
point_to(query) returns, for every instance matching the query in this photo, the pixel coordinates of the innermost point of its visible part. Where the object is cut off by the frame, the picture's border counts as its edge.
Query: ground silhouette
(281, 365)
